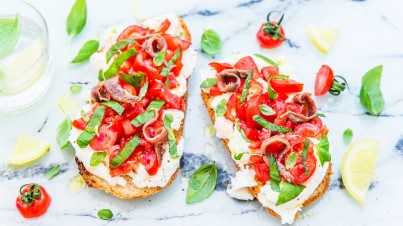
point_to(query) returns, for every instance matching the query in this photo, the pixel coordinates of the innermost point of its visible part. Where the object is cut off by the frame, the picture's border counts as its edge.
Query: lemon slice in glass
(27, 149)
(358, 168)
(76, 184)
(323, 37)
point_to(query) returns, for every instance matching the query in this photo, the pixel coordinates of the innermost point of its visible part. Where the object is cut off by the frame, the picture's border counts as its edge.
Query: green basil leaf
(156, 104)
(9, 35)
(266, 110)
(133, 80)
(275, 177)
(84, 115)
(63, 132)
(371, 96)
(89, 133)
(168, 119)
(76, 88)
(143, 118)
(239, 156)
(271, 62)
(101, 76)
(77, 18)
(270, 126)
(143, 89)
(221, 108)
(304, 155)
(171, 63)
(125, 153)
(97, 157)
(270, 91)
(202, 183)
(117, 63)
(105, 214)
(165, 71)
(209, 82)
(242, 132)
(115, 106)
(289, 192)
(211, 42)
(246, 87)
(115, 48)
(159, 58)
(176, 56)
(347, 136)
(291, 160)
(173, 149)
(323, 150)
(167, 83)
(52, 172)
(321, 115)
(86, 51)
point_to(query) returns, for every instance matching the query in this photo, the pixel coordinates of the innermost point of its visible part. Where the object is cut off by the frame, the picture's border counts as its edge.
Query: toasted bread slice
(320, 190)
(131, 191)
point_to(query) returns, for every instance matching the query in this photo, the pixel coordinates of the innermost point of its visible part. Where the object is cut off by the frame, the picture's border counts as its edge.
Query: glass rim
(46, 41)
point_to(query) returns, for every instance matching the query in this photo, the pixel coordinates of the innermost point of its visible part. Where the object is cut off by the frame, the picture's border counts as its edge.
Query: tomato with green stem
(326, 81)
(271, 34)
(33, 200)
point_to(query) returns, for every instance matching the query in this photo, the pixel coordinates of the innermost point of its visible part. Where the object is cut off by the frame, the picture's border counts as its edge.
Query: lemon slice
(76, 184)
(358, 168)
(323, 37)
(26, 150)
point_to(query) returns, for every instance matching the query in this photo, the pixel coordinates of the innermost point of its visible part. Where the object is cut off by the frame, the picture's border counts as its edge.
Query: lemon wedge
(323, 37)
(76, 184)
(358, 168)
(27, 149)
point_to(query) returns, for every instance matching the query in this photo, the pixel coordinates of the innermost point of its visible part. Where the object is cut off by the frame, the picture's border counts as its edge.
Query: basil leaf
(86, 51)
(271, 62)
(270, 91)
(101, 76)
(239, 156)
(115, 48)
(133, 80)
(221, 108)
(117, 63)
(211, 42)
(304, 155)
(209, 82)
(291, 160)
(266, 110)
(242, 132)
(275, 177)
(156, 104)
(323, 150)
(143, 118)
(125, 153)
(270, 126)
(84, 115)
(289, 192)
(105, 214)
(159, 58)
(202, 183)
(97, 157)
(63, 132)
(9, 35)
(321, 115)
(167, 83)
(246, 87)
(89, 133)
(52, 172)
(171, 63)
(77, 18)
(143, 89)
(115, 106)
(347, 136)
(76, 88)
(371, 96)
(173, 149)
(165, 71)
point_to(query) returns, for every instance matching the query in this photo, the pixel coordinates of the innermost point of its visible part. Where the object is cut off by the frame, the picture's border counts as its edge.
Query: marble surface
(371, 34)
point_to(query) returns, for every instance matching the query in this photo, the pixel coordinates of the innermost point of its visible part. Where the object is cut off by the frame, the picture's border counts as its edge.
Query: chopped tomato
(79, 124)
(33, 201)
(299, 172)
(133, 29)
(310, 129)
(132, 111)
(250, 132)
(145, 65)
(215, 91)
(106, 138)
(128, 165)
(231, 107)
(220, 66)
(282, 86)
(247, 63)
(128, 127)
(178, 64)
(269, 71)
(252, 110)
(164, 26)
(261, 169)
(173, 83)
(158, 90)
(175, 43)
(149, 159)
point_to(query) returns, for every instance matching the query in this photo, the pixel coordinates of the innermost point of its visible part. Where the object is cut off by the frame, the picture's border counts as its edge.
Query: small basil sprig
(289, 192)
(117, 63)
(266, 110)
(173, 149)
(239, 156)
(304, 155)
(77, 18)
(275, 177)
(63, 132)
(291, 160)
(211, 42)
(208, 82)
(52, 172)
(90, 131)
(86, 51)
(240, 130)
(246, 87)
(323, 150)
(9, 35)
(270, 126)
(117, 47)
(127, 150)
(171, 63)
(115, 106)
(321, 115)
(202, 183)
(271, 62)
(221, 108)
(159, 59)
(143, 89)
(97, 157)
(105, 214)
(76, 88)
(347, 136)
(371, 96)
(133, 80)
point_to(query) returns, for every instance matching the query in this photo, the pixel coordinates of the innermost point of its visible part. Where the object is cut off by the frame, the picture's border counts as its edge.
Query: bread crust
(131, 191)
(320, 190)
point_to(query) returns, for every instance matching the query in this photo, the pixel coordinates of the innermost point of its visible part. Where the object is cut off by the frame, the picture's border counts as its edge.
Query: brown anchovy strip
(229, 80)
(99, 93)
(159, 150)
(309, 108)
(117, 92)
(161, 133)
(154, 44)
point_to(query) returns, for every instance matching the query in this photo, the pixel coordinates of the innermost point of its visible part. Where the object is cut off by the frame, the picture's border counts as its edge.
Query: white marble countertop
(371, 34)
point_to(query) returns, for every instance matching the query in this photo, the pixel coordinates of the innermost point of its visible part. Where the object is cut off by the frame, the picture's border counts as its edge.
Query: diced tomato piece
(215, 91)
(247, 63)
(79, 124)
(282, 86)
(220, 66)
(133, 29)
(241, 110)
(164, 26)
(299, 171)
(149, 159)
(261, 169)
(173, 83)
(158, 90)
(128, 127)
(178, 64)
(145, 65)
(252, 110)
(269, 71)
(106, 138)
(231, 107)
(175, 43)
(310, 129)
(128, 165)
(250, 132)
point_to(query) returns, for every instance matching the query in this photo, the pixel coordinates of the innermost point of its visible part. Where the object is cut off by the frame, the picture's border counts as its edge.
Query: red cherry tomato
(261, 169)
(324, 80)
(247, 63)
(33, 201)
(271, 34)
(282, 86)
(106, 138)
(79, 124)
(269, 71)
(220, 66)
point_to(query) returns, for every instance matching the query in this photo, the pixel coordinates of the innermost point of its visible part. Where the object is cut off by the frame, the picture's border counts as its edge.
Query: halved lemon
(358, 168)
(27, 149)
(323, 37)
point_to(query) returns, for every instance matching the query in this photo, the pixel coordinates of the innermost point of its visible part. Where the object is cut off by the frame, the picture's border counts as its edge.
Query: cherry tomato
(271, 34)
(33, 201)
(269, 71)
(79, 124)
(282, 86)
(158, 90)
(324, 80)
(247, 63)
(106, 138)
(261, 169)
(219, 67)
